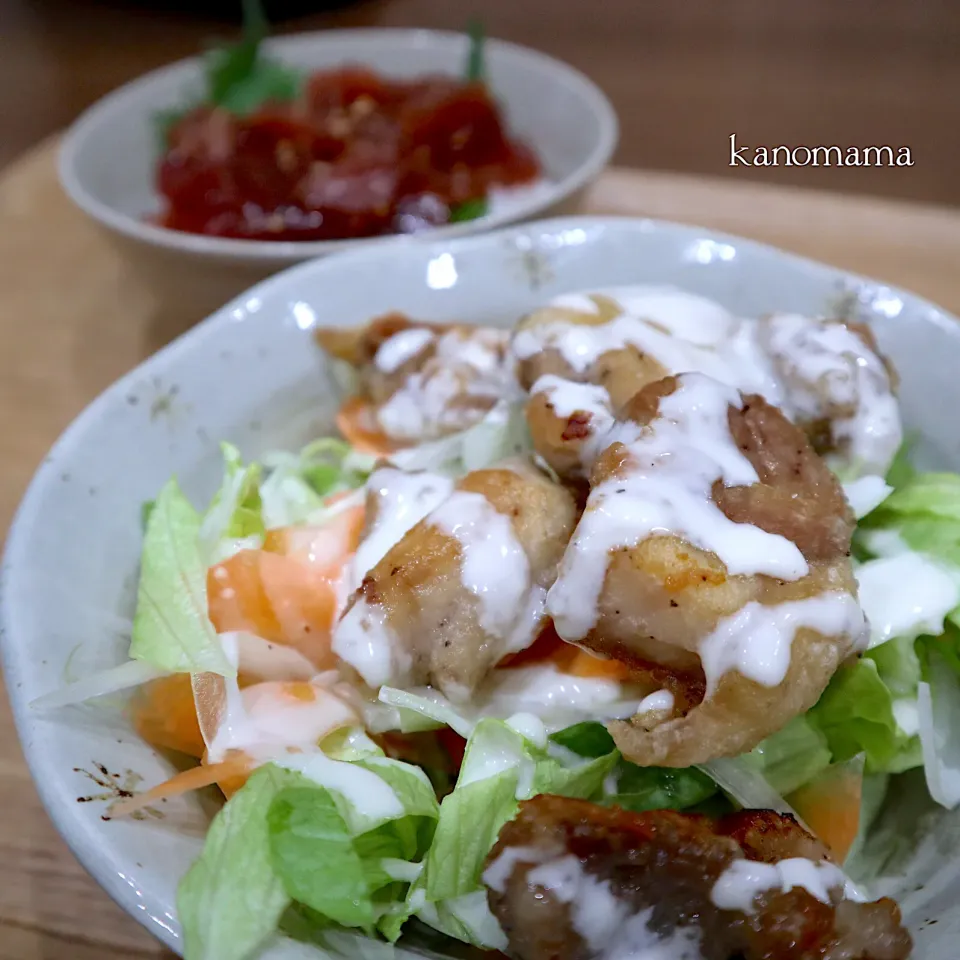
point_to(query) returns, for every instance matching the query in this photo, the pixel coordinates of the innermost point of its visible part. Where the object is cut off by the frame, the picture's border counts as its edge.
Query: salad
(604, 636)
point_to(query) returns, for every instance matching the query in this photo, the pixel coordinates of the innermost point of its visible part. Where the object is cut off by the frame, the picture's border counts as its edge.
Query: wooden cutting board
(73, 318)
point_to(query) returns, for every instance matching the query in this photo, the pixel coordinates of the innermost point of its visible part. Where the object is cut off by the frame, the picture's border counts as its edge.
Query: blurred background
(682, 75)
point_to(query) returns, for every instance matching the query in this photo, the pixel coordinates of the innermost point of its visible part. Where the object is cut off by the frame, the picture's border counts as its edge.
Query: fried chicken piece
(464, 587)
(570, 408)
(568, 423)
(642, 581)
(621, 369)
(571, 880)
(423, 380)
(837, 386)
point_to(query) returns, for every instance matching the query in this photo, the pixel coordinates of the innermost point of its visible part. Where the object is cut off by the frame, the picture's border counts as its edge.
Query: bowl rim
(286, 251)
(134, 900)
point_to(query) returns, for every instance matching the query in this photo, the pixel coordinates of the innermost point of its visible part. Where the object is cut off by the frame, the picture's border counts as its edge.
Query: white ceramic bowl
(250, 374)
(108, 156)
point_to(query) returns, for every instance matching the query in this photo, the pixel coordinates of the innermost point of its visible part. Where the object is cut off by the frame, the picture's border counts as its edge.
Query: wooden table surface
(72, 319)
(682, 74)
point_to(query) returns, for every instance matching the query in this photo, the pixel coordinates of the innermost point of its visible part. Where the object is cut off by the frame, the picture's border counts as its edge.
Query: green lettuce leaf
(923, 512)
(501, 766)
(171, 627)
(636, 788)
(587, 739)
(902, 470)
(234, 519)
(659, 788)
(855, 714)
(231, 899)
(314, 855)
(898, 665)
(470, 820)
(298, 484)
(793, 756)
(935, 494)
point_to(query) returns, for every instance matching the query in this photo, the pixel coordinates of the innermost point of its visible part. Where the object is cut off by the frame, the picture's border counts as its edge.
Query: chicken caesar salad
(603, 636)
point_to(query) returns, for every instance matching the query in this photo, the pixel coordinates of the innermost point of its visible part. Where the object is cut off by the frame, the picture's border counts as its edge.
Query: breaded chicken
(837, 386)
(422, 380)
(620, 371)
(464, 587)
(570, 880)
(662, 600)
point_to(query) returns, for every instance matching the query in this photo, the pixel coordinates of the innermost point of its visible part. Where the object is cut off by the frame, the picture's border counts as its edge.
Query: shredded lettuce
(298, 485)
(171, 628)
(424, 710)
(938, 704)
(501, 434)
(234, 519)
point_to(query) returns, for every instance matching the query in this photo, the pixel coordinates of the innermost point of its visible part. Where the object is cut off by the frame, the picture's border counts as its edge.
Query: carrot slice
(236, 597)
(276, 597)
(830, 806)
(234, 770)
(327, 548)
(567, 658)
(165, 716)
(356, 423)
(583, 664)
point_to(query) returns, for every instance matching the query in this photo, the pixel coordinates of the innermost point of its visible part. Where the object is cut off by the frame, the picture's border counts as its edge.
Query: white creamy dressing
(827, 369)
(268, 719)
(401, 347)
(498, 872)
(467, 363)
(602, 919)
(567, 398)
(402, 501)
(667, 490)
(363, 638)
(594, 910)
(657, 702)
(866, 494)
(493, 564)
(529, 727)
(756, 640)
(262, 660)
(682, 331)
(744, 880)
(906, 595)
